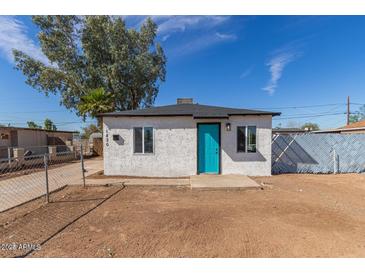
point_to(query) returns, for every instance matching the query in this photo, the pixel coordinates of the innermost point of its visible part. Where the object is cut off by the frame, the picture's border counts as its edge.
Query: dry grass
(294, 216)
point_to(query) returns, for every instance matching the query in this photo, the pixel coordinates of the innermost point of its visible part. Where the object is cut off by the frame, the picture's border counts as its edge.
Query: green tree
(31, 124)
(49, 125)
(89, 52)
(310, 126)
(87, 131)
(96, 101)
(358, 115)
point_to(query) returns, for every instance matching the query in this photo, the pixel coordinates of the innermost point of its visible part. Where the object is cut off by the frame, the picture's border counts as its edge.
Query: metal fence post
(75, 150)
(334, 162)
(9, 156)
(45, 158)
(82, 165)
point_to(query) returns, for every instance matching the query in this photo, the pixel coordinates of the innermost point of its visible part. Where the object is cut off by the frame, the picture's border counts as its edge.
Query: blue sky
(281, 63)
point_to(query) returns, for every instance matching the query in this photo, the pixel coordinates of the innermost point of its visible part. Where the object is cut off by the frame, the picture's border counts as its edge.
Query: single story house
(187, 139)
(28, 138)
(353, 128)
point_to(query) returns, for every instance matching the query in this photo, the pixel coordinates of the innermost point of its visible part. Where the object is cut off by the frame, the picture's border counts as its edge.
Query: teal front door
(208, 148)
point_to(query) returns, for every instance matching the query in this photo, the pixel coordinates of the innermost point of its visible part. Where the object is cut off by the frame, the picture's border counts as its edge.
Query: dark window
(251, 139)
(143, 140)
(148, 140)
(241, 139)
(138, 140)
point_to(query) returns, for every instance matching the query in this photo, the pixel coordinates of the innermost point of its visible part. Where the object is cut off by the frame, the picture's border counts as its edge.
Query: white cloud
(225, 36)
(246, 72)
(168, 26)
(178, 23)
(165, 37)
(13, 34)
(203, 42)
(277, 63)
(172, 24)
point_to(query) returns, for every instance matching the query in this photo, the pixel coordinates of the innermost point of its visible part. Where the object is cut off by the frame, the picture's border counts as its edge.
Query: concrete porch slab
(140, 181)
(222, 181)
(156, 182)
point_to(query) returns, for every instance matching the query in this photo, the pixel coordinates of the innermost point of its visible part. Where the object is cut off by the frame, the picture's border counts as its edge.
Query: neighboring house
(96, 143)
(187, 139)
(287, 131)
(353, 128)
(31, 137)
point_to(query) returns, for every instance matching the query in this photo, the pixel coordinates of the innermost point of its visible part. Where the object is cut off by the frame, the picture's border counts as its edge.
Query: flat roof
(197, 111)
(360, 125)
(289, 129)
(37, 129)
(339, 130)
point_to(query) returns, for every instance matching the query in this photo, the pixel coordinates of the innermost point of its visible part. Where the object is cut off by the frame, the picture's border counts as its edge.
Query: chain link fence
(318, 153)
(33, 208)
(29, 173)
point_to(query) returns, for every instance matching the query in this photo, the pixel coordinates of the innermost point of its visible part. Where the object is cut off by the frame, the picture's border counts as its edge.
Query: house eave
(142, 115)
(185, 115)
(210, 117)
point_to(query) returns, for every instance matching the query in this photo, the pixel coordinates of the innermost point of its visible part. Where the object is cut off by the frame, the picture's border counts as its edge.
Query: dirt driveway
(16, 190)
(294, 216)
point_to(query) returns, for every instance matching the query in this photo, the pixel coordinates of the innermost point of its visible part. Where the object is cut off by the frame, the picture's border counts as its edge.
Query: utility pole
(348, 111)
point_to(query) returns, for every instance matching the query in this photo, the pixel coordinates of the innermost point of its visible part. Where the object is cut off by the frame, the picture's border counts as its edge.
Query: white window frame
(246, 138)
(153, 141)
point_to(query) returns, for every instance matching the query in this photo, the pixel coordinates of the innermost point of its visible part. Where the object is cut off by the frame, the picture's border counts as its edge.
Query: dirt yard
(293, 216)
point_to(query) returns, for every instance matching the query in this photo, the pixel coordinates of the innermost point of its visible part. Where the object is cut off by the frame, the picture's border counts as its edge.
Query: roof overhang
(210, 117)
(257, 114)
(186, 115)
(141, 115)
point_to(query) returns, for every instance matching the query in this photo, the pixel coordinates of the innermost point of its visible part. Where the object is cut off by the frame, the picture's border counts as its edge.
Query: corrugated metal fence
(318, 153)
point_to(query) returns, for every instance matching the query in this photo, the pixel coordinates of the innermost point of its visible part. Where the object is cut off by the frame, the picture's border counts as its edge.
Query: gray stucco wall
(253, 164)
(175, 147)
(31, 138)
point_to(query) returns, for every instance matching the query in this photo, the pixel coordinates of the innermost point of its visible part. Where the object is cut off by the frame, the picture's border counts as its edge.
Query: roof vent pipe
(184, 101)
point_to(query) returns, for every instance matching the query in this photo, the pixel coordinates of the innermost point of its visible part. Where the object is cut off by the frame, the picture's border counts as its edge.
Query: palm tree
(95, 102)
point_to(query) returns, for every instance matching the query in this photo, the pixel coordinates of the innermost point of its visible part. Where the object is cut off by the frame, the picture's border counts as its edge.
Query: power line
(286, 107)
(55, 123)
(305, 106)
(267, 108)
(35, 111)
(90, 122)
(332, 111)
(308, 116)
(310, 106)
(289, 116)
